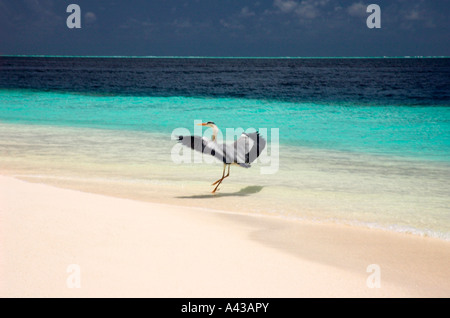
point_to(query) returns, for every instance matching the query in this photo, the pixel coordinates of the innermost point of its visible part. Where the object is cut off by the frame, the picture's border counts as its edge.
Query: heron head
(207, 124)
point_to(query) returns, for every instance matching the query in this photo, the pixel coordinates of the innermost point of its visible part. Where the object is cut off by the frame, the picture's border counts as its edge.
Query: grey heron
(242, 152)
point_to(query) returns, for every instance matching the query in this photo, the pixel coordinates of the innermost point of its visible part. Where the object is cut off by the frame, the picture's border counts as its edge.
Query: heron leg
(223, 177)
(215, 189)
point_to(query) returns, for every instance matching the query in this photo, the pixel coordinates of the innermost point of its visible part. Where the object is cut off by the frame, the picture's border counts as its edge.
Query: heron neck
(214, 134)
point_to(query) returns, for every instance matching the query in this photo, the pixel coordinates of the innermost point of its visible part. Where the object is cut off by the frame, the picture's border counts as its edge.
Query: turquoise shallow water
(381, 166)
(410, 132)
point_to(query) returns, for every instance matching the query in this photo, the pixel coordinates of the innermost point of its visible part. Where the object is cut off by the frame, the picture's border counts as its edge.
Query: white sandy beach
(127, 248)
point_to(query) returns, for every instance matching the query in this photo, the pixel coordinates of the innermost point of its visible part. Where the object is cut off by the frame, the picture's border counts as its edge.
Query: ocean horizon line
(222, 57)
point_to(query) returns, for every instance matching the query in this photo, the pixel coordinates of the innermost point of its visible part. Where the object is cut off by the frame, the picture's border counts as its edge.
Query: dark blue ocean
(371, 82)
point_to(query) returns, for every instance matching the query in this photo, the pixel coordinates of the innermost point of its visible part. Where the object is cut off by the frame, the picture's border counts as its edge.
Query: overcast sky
(226, 28)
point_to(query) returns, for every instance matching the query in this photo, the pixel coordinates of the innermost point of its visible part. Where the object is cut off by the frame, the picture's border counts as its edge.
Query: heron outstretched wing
(243, 151)
(247, 148)
(205, 146)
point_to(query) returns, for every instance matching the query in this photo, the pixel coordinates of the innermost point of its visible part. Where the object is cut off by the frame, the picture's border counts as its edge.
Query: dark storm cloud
(219, 27)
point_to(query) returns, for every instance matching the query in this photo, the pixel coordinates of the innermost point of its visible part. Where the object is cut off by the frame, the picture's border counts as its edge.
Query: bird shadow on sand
(241, 193)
